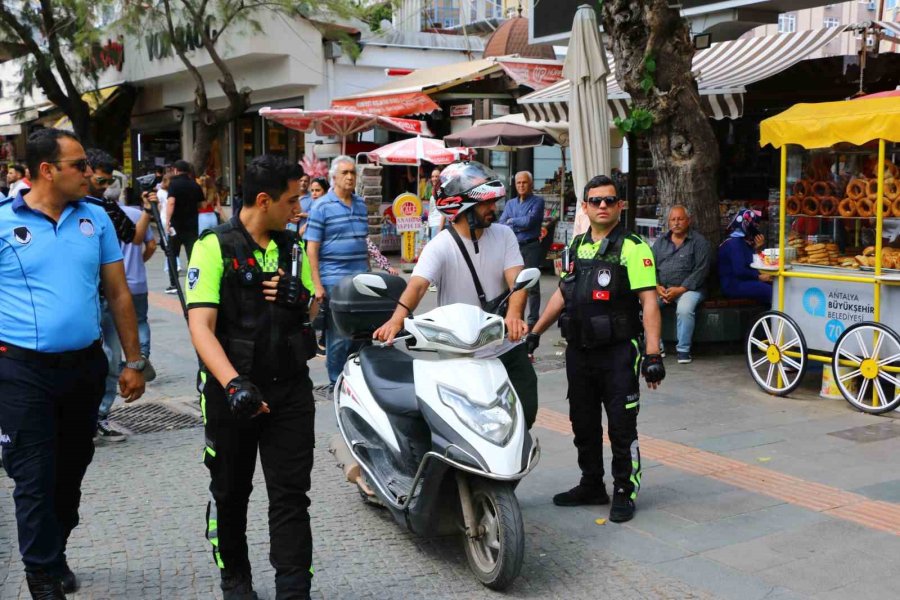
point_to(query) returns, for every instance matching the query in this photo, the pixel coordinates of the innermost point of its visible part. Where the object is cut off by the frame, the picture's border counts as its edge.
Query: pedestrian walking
(524, 214)
(182, 206)
(609, 279)
(54, 249)
(336, 235)
(248, 288)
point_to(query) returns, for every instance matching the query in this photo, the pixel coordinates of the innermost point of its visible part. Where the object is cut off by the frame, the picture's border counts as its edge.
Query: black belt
(70, 358)
(529, 241)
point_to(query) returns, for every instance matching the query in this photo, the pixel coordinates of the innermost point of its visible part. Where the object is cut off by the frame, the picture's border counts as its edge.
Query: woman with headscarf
(736, 277)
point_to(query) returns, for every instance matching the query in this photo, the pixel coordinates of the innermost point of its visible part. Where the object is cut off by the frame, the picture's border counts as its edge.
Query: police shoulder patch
(193, 276)
(22, 235)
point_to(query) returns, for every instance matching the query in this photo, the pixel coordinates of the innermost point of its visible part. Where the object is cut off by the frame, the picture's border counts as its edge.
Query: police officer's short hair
(595, 182)
(98, 159)
(43, 147)
(269, 174)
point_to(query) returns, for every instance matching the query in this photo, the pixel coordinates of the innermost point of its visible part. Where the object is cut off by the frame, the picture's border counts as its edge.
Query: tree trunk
(682, 143)
(205, 133)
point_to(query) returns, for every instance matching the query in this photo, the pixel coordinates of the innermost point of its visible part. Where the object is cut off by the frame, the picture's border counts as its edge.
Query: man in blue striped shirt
(336, 245)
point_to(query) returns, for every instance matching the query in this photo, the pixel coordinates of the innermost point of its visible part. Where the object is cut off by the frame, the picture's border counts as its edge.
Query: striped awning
(892, 28)
(723, 71)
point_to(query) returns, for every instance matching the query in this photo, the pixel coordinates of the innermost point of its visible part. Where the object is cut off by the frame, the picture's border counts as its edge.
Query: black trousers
(531, 256)
(606, 377)
(184, 236)
(524, 380)
(48, 417)
(285, 441)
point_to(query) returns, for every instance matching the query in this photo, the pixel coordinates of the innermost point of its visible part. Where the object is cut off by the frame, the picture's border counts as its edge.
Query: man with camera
(609, 280)
(248, 295)
(474, 262)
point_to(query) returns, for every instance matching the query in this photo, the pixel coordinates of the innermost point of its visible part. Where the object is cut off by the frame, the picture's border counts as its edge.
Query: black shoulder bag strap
(462, 248)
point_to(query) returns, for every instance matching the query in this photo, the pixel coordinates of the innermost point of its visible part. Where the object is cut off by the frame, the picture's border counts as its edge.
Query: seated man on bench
(683, 259)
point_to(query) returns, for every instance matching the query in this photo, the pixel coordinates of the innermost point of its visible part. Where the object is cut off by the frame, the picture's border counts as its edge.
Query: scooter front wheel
(495, 554)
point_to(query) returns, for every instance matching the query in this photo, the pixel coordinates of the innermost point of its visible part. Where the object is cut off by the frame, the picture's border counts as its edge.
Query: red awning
(537, 75)
(396, 105)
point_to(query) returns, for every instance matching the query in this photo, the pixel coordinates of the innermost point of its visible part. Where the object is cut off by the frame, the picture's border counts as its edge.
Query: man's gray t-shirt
(442, 264)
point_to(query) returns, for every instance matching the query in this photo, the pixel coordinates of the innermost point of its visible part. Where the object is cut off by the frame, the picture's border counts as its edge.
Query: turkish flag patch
(600, 295)
(648, 262)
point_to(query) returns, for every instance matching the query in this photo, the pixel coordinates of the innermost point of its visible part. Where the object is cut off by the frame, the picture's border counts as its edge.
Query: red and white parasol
(340, 123)
(416, 150)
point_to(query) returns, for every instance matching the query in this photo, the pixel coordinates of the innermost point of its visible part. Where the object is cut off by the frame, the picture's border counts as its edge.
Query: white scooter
(439, 435)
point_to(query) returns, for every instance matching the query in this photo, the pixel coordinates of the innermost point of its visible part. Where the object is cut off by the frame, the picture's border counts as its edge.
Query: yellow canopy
(824, 124)
(94, 100)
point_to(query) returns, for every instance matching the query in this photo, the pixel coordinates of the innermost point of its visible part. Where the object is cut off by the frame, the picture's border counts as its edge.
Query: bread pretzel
(895, 208)
(865, 207)
(820, 189)
(872, 188)
(828, 206)
(891, 189)
(847, 207)
(801, 189)
(810, 206)
(792, 205)
(856, 189)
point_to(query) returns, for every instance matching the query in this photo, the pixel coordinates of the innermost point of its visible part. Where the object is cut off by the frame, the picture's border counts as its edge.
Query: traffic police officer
(54, 249)
(609, 278)
(248, 292)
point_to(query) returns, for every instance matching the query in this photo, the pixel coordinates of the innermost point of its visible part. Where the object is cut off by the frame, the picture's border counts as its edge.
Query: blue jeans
(685, 314)
(337, 348)
(112, 347)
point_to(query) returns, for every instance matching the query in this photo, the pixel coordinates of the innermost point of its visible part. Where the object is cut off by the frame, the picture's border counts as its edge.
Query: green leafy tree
(188, 31)
(56, 43)
(653, 50)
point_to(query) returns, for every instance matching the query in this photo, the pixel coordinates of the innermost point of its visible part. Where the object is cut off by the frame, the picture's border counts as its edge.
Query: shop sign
(159, 43)
(127, 164)
(461, 110)
(407, 208)
(824, 309)
(111, 54)
(537, 76)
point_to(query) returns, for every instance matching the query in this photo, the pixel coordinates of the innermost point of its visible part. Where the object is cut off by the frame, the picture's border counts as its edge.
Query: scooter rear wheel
(496, 554)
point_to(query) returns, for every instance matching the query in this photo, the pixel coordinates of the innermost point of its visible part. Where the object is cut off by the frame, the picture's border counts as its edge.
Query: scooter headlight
(495, 422)
(439, 335)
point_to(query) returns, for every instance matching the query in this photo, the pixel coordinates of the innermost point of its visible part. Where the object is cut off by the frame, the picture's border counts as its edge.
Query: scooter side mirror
(369, 284)
(527, 278)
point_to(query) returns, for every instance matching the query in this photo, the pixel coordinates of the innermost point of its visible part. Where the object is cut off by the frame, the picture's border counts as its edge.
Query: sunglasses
(598, 200)
(79, 163)
(104, 180)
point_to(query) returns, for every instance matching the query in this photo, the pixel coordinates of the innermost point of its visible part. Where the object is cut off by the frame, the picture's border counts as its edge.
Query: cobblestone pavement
(142, 537)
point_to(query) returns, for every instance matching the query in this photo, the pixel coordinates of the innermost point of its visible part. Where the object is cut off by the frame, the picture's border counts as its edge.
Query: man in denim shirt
(682, 265)
(525, 215)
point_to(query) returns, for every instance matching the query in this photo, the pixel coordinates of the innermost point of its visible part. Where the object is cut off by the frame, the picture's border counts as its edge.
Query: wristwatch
(137, 365)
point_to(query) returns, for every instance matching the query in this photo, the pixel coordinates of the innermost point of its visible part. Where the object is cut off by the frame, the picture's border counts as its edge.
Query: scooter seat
(389, 374)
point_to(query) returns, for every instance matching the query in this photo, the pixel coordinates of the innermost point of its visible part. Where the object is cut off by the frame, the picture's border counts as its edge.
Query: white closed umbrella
(586, 68)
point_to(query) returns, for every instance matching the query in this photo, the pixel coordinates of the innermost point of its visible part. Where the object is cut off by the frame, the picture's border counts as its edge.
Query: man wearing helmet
(474, 262)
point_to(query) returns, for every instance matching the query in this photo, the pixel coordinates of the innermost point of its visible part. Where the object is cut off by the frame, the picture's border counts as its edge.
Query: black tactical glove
(652, 368)
(291, 293)
(532, 341)
(244, 398)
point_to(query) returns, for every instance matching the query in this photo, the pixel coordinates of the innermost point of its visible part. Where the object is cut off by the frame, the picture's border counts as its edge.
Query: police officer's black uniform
(601, 323)
(268, 344)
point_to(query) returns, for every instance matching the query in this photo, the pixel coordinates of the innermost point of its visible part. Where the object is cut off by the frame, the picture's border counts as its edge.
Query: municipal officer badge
(86, 226)
(22, 235)
(193, 277)
(603, 278)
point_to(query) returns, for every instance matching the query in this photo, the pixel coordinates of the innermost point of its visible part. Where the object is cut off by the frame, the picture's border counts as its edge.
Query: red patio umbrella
(886, 94)
(414, 151)
(341, 123)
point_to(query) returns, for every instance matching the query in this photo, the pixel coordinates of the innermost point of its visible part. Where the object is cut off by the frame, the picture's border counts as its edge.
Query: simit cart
(837, 287)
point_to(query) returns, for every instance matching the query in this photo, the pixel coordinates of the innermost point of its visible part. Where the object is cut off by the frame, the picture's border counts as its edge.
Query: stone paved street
(744, 496)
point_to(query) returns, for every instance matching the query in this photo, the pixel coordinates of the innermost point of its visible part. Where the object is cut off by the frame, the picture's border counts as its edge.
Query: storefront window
(156, 149)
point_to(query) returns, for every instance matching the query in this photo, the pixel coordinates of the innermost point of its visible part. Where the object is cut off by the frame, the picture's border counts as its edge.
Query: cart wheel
(772, 338)
(872, 352)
